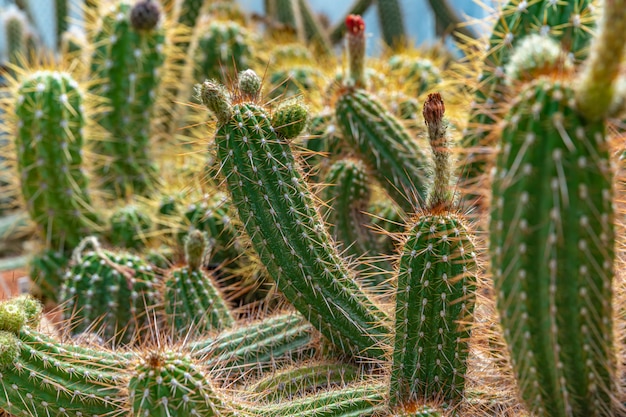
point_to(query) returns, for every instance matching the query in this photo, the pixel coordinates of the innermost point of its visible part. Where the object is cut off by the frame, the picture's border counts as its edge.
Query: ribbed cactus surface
(552, 252)
(128, 59)
(49, 141)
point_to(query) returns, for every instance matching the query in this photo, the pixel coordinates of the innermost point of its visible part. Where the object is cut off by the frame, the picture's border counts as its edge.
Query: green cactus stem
(260, 345)
(113, 291)
(128, 57)
(436, 285)
(130, 226)
(15, 23)
(419, 74)
(47, 270)
(552, 250)
(61, 14)
(296, 381)
(193, 304)
(49, 141)
(280, 216)
(390, 18)
(380, 140)
(41, 376)
(348, 194)
(571, 23)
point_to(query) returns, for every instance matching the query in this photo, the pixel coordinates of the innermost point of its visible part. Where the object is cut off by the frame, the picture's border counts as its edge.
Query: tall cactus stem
(356, 49)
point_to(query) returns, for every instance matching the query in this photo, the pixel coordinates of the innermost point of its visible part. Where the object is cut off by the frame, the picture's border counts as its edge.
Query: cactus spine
(128, 56)
(280, 216)
(49, 140)
(436, 284)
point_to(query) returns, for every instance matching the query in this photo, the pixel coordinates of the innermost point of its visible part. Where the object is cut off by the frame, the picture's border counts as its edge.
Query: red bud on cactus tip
(355, 24)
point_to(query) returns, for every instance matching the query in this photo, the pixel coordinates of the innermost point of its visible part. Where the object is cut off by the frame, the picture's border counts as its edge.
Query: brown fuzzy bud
(145, 15)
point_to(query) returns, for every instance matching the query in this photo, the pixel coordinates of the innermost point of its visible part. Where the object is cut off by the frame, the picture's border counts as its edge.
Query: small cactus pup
(130, 226)
(552, 234)
(49, 140)
(436, 287)
(280, 215)
(42, 376)
(379, 138)
(167, 383)
(116, 292)
(193, 305)
(128, 56)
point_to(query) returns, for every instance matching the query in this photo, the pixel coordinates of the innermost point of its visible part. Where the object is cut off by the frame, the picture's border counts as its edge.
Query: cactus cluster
(206, 241)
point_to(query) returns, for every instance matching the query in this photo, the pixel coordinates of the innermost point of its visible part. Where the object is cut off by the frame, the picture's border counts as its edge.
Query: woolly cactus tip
(249, 84)
(356, 49)
(145, 15)
(32, 307)
(215, 97)
(536, 55)
(355, 24)
(9, 348)
(290, 118)
(441, 194)
(12, 316)
(196, 246)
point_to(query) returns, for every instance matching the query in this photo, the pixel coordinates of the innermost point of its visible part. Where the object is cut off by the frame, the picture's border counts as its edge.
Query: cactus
(61, 14)
(260, 345)
(280, 216)
(436, 284)
(49, 141)
(167, 383)
(294, 382)
(129, 226)
(571, 23)
(47, 270)
(128, 56)
(378, 137)
(223, 47)
(115, 291)
(391, 22)
(348, 194)
(419, 73)
(42, 376)
(15, 23)
(193, 305)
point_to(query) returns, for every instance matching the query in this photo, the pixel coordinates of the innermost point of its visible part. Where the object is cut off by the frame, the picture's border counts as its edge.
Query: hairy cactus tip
(536, 55)
(19, 311)
(249, 85)
(290, 118)
(145, 15)
(196, 247)
(216, 98)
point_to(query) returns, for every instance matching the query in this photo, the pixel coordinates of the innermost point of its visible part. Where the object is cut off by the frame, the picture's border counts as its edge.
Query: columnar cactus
(553, 248)
(193, 305)
(379, 138)
(436, 284)
(114, 291)
(281, 218)
(49, 141)
(128, 56)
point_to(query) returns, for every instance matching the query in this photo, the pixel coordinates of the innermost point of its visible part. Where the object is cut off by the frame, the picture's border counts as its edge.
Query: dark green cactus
(553, 202)
(128, 59)
(114, 291)
(193, 305)
(436, 284)
(47, 270)
(49, 141)
(130, 226)
(280, 216)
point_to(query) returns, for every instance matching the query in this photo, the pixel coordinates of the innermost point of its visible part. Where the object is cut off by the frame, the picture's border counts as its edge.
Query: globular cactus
(286, 229)
(436, 284)
(128, 57)
(554, 157)
(223, 47)
(114, 291)
(49, 141)
(193, 304)
(390, 152)
(295, 81)
(43, 376)
(130, 227)
(166, 383)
